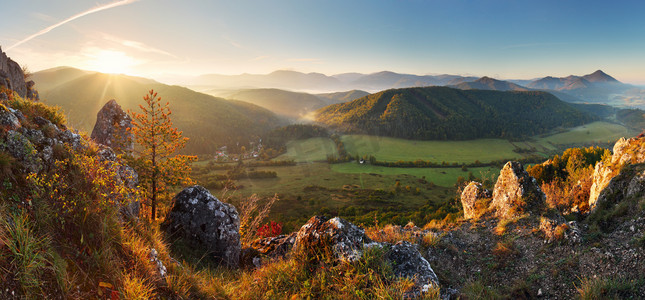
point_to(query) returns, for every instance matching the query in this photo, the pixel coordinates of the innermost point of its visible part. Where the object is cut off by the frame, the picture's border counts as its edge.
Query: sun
(110, 61)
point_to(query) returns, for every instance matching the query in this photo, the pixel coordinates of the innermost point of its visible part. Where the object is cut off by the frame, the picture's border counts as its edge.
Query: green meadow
(440, 176)
(393, 149)
(313, 149)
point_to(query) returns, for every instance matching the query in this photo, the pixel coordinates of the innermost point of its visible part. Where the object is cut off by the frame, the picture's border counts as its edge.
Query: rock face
(408, 262)
(204, 221)
(345, 239)
(629, 183)
(516, 192)
(13, 78)
(625, 151)
(472, 193)
(111, 128)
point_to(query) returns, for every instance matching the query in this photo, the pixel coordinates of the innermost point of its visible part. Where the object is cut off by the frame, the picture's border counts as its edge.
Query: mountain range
(317, 82)
(208, 121)
(597, 87)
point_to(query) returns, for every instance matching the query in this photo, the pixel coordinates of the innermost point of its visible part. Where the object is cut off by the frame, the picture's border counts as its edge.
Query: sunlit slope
(208, 121)
(441, 113)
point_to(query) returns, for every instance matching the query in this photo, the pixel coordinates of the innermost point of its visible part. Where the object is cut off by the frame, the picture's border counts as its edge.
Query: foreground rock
(516, 192)
(626, 151)
(345, 239)
(473, 193)
(408, 262)
(348, 242)
(111, 128)
(203, 221)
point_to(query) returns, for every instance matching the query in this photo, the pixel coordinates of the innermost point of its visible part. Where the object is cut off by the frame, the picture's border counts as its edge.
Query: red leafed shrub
(270, 229)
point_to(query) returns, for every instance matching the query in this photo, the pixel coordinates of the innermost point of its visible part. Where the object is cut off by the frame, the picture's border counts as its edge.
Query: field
(393, 149)
(357, 190)
(440, 176)
(313, 188)
(313, 149)
(596, 132)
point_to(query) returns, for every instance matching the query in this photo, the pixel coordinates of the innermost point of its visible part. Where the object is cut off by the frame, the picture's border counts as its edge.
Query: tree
(155, 160)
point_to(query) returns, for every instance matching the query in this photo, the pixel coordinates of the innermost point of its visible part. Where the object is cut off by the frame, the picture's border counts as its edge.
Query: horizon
(504, 40)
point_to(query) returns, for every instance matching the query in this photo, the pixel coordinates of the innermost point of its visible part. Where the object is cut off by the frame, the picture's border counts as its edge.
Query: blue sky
(503, 39)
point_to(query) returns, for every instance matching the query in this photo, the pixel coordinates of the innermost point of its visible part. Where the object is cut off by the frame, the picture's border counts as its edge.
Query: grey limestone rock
(345, 239)
(202, 220)
(471, 194)
(408, 262)
(516, 192)
(111, 128)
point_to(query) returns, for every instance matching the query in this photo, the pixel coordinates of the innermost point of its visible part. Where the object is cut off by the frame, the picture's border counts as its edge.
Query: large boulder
(111, 128)
(343, 238)
(516, 192)
(473, 193)
(626, 151)
(203, 221)
(407, 262)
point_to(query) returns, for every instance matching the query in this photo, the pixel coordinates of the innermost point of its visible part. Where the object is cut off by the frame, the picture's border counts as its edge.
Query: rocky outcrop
(266, 249)
(516, 192)
(407, 262)
(471, 194)
(347, 241)
(625, 151)
(111, 128)
(629, 183)
(277, 246)
(343, 238)
(203, 221)
(13, 78)
(8, 118)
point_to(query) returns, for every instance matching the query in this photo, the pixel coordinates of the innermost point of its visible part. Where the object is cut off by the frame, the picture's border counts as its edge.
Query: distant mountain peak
(486, 79)
(599, 76)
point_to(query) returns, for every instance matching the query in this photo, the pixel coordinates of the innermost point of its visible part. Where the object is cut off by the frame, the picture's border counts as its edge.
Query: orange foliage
(157, 164)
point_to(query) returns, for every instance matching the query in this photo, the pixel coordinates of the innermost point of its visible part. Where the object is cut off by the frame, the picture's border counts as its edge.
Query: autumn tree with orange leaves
(154, 158)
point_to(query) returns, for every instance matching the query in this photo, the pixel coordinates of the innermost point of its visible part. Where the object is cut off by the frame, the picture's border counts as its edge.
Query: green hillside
(441, 113)
(208, 121)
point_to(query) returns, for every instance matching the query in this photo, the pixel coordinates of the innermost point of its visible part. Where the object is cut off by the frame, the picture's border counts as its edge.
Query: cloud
(232, 42)
(72, 18)
(137, 46)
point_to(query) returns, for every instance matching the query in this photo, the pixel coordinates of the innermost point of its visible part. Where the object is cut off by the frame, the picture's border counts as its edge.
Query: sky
(162, 39)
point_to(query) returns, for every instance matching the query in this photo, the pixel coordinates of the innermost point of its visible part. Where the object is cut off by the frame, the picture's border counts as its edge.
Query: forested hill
(208, 121)
(443, 113)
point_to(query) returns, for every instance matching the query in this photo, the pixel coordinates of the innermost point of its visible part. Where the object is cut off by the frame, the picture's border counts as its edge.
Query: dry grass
(252, 214)
(431, 239)
(134, 287)
(390, 234)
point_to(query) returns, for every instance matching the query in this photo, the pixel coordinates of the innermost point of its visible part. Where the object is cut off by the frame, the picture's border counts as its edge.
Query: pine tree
(155, 160)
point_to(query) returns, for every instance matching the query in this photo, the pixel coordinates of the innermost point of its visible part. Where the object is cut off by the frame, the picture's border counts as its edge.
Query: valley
(322, 150)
